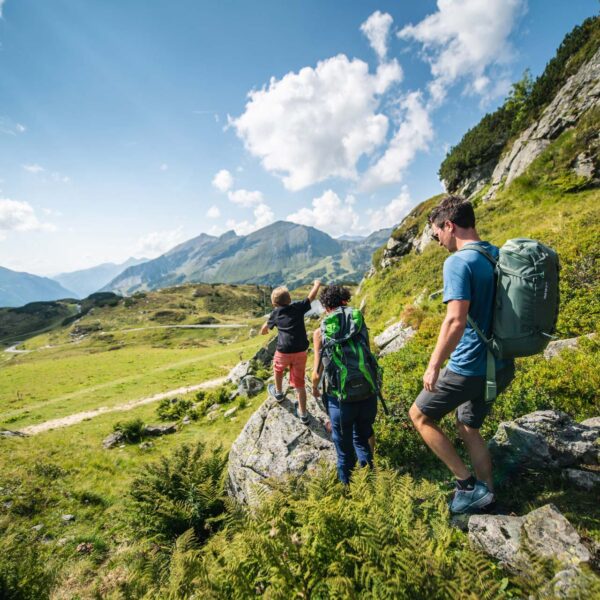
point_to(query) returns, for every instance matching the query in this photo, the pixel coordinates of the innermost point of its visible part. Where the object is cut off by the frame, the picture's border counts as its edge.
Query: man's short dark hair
(455, 209)
(334, 295)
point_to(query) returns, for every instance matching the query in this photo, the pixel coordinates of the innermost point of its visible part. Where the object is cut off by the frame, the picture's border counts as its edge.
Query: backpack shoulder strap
(475, 246)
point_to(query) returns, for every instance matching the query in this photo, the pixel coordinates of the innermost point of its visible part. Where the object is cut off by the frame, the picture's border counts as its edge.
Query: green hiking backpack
(525, 302)
(351, 371)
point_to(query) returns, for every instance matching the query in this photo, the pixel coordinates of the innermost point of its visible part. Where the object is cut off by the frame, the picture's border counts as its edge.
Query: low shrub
(174, 409)
(132, 430)
(183, 491)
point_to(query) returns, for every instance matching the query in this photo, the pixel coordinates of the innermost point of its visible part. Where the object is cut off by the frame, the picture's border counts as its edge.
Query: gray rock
(186, 420)
(250, 386)
(157, 430)
(229, 412)
(265, 355)
(273, 444)
(555, 348)
(543, 532)
(68, 518)
(388, 334)
(545, 439)
(9, 434)
(587, 480)
(592, 422)
(239, 372)
(578, 95)
(584, 166)
(114, 439)
(211, 416)
(398, 342)
(38, 527)
(213, 407)
(145, 446)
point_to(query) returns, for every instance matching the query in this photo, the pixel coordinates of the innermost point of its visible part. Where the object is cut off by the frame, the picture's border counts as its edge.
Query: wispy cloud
(20, 216)
(377, 29)
(8, 126)
(462, 39)
(34, 168)
(164, 167)
(55, 176)
(213, 212)
(156, 243)
(246, 198)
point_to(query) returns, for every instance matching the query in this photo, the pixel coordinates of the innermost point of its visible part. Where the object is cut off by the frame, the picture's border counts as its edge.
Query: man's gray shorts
(465, 393)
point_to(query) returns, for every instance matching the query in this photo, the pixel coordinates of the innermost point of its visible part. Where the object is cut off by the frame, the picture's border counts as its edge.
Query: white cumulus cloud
(377, 29)
(263, 216)
(317, 123)
(213, 212)
(391, 214)
(245, 197)
(158, 242)
(34, 168)
(463, 38)
(223, 180)
(413, 134)
(330, 213)
(20, 216)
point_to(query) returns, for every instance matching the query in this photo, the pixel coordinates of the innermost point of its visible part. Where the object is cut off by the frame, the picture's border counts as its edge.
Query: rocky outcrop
(555, 348)
(409, 240)
(544, 533)
(273, 444)
(393, 338)
(546, 439)
(158, 430)
(250, 386)
(580, 93)
(263, 357)
(9, 434)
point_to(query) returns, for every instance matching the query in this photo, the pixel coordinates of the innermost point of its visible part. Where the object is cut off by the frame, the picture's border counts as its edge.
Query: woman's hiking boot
(471, 500)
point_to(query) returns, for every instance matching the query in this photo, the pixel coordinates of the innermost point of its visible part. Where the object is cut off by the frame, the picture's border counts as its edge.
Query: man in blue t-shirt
(469, 287)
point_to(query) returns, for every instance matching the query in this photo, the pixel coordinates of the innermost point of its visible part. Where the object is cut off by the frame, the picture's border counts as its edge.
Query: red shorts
(296, 362)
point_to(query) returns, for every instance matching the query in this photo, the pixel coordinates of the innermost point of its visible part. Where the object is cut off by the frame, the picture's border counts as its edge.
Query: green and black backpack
(351, 372)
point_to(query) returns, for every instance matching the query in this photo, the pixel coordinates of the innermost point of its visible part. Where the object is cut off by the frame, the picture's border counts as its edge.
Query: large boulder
(544, 532)
(265, 355)
(250, 386)
(393, 338)
(239, 372)
(546, 439)
(273, 444)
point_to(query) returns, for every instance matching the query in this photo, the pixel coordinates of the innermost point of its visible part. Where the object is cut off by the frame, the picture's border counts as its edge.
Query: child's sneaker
(304, 418)
(466, 501)
(279, 396)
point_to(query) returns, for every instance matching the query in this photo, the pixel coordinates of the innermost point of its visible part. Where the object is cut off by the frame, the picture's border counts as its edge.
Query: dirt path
(90, 414)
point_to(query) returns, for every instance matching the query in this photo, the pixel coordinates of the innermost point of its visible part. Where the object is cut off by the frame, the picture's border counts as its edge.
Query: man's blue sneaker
(279, 396)
(465, 501)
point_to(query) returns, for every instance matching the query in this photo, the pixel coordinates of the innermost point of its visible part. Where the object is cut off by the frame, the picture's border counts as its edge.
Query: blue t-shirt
(468, 275)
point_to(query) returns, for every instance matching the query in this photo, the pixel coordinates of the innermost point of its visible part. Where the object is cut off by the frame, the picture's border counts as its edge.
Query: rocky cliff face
(580, 94)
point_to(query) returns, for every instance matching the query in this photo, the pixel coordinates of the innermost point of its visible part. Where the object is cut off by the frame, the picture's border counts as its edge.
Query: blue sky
(127, 126)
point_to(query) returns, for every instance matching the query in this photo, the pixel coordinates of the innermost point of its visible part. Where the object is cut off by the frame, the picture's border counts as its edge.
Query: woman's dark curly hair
(334, 295)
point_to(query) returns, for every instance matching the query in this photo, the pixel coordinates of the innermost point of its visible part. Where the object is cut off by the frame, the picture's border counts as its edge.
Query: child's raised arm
(315, 290)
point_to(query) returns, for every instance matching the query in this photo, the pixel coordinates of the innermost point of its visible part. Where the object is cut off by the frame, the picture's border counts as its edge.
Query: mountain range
(280, 253)
(18, 288)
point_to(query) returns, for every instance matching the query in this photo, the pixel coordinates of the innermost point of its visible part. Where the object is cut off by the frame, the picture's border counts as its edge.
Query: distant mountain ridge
(282, 252)
(19, 288)
(87, 281)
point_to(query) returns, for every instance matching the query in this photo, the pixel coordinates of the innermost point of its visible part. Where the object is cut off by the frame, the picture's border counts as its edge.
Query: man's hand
(264, 329)
(430, 378)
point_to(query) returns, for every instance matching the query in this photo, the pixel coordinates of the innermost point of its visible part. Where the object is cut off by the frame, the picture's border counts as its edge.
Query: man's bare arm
(450, 333)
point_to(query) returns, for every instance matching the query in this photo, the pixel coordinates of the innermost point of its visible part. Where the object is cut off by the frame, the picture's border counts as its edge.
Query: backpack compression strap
(491, 390)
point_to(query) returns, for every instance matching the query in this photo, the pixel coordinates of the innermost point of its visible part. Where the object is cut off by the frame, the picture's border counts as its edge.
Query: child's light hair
(280, 296)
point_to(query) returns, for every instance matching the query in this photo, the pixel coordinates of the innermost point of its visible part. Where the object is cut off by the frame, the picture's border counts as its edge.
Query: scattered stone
(543, 532)
(584, 166)
(62, 541)
(592, 422)
(586, 480)
(274, 443)
(215, 406)
(211, 416)
(68, 518)
(253, 332)
(114, 439)
(239, 372)
(157, 430)
(9, 434)
(146, 446)
(233, 395)
(186, 420)
(85, 548)
(229, 412)
(250, 386)
(393, 338)
(38, 527)
(545, 439)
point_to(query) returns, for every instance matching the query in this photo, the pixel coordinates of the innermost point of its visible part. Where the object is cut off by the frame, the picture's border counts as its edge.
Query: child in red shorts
(292, 343)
